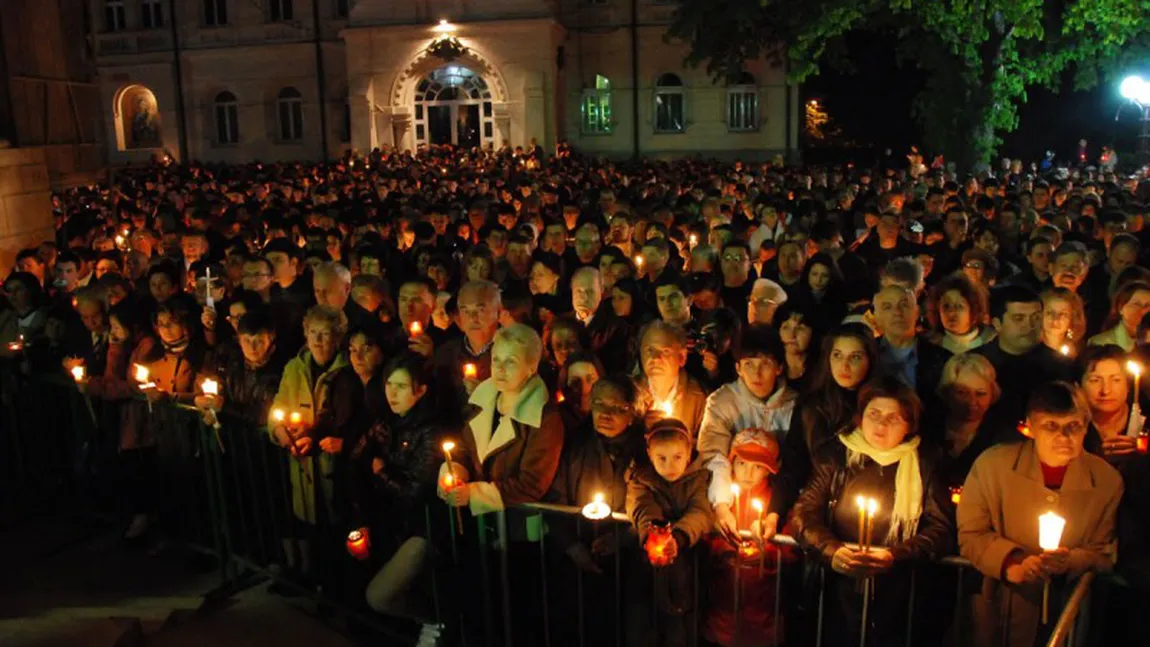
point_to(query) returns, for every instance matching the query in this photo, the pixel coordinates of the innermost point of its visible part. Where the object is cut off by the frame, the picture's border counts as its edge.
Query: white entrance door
(453, 106)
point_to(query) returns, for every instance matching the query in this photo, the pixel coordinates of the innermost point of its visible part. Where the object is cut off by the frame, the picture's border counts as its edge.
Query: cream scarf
(907, 481)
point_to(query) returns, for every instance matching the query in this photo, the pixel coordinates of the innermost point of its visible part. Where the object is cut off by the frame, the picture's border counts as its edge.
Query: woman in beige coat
(1008, 488)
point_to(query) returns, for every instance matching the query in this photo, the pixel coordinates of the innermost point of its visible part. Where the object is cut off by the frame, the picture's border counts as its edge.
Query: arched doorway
(453, 106)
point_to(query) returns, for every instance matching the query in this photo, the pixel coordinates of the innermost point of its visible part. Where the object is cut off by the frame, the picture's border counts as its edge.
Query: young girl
(754, 458)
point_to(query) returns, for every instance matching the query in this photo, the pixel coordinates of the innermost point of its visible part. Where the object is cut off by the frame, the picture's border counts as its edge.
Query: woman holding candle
(1106, 384)
(1063, 321)
(304, 389)
(28, 313)
(879, 460)
(392, 479)
(1007, 490)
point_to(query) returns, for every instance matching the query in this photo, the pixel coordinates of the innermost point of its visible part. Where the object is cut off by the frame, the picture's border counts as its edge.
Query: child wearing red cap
(754, 457)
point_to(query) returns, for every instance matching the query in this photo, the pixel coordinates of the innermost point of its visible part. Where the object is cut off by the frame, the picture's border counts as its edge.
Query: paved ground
(64, 585)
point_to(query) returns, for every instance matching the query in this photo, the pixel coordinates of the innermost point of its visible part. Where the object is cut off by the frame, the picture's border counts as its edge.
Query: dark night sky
(872, 107)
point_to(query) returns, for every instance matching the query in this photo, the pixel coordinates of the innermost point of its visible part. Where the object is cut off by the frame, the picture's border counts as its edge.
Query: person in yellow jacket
(304, 390)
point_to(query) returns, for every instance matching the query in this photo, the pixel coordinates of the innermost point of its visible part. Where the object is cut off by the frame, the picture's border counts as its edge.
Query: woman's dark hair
(577, 357)
(825, 260)
(825, 403)
(638, 300)
(368, 331)
(1121, 298)
(167, 269)
(416, 365)
(1057, 399)
(250, 300)
(176, 309)
(804, 312)
(975, 295)
(36, 296)
(127, 312)
(897, 390)
(563, 323)
(1093, 355)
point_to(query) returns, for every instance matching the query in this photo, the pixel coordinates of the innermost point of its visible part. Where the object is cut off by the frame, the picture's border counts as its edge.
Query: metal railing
(229, 492)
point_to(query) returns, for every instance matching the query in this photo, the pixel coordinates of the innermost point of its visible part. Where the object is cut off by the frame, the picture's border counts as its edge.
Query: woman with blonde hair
(1063, 321)
(960, 427)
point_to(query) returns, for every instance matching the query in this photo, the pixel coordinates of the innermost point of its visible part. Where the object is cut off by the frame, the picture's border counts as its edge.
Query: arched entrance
(453, 105)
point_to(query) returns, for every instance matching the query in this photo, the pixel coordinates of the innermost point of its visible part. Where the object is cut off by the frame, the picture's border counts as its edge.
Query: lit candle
(17, 345)
(358, 544)
(1024, 429)
(1142, 443)
(666, 408)
(761, 513)
(559, 397)
(208, 300)
(78, 373)
(694, 240)
(447, 447)
(141, 374)
(278, 415)
(735, 492)
(955, 495)
(1064, 349)
(639, 262)
(295, 418)
(1136, 370)
(210, 387)
(861, 503)
(470, 371)
(119, 240)
(871, 508)
(416, 328)
(597, 509)
(1050, 527)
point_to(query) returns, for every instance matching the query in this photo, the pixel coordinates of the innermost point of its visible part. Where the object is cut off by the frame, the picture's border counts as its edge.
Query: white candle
(1050, 527)
(210, 387)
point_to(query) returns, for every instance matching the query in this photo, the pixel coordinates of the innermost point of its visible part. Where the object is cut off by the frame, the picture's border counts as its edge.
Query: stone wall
(25, 202)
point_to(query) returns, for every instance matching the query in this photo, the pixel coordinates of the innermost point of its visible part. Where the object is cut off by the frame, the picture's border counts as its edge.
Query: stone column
(401, 122)
(501, 114)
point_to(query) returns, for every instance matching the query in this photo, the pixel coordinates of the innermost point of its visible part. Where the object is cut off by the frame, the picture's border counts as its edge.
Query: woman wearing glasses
(1007, 490)
(876, 464)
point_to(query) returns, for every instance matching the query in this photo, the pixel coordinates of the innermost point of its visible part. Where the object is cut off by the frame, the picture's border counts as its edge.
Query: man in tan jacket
(1008, 488)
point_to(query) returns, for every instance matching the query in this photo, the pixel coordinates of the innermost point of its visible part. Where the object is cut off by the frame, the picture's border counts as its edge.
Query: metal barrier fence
(500, 579)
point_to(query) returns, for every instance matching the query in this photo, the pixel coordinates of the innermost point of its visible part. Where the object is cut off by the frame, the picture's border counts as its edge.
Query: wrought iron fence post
(910, 605)
(505, 577)
(822, 599)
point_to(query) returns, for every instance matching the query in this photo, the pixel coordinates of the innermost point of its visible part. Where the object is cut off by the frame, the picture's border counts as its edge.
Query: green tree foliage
(980, 56)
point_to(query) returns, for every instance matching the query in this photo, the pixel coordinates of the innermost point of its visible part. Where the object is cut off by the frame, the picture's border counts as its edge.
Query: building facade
(240, 80)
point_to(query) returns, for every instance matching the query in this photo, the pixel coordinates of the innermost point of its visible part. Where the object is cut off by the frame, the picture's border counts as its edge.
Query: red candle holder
(658, 544)
(1024, 429)
(956, 494)
(358, 544)
(1143, 443)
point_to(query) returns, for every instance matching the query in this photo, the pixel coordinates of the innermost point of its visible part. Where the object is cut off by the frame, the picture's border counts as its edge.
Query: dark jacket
(590, 465)
(826, 517)
(808, 433)
(394, 500)
(684, 503)
(248, 391)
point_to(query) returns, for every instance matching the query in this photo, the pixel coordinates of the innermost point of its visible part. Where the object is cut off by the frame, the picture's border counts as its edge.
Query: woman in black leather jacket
(878, 460)
(394, 467)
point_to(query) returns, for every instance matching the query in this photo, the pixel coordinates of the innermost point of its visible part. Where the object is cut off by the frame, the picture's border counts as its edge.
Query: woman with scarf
(149, 431)
(878, 460)
(392, 480)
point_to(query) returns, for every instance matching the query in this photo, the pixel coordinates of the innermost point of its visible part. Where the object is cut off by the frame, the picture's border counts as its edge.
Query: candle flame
(278, 415)
(448, 480)
(757, 504)
(210, 387)
(559, 397)
(1050, 527)
(955, 495)
(448, 446)
(666, 407)
(1134, 367)
(1064, 349)
(871, 507)
(470, 370)
(735, 489)
(598, 508)
(416, 328)
(295, 417)
(141, 373)
(694, 239)
(78, 373)
(598, 498)
(860, 502)
(639, 261)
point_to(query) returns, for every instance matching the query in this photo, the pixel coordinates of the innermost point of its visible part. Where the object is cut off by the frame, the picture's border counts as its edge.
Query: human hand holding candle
(418, 342)
(359, 544)
(1050, 527)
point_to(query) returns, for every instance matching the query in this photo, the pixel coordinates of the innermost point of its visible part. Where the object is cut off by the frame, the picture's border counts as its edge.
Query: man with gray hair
(766, 297)
(605, 332)
(478, 306)
(332, 285)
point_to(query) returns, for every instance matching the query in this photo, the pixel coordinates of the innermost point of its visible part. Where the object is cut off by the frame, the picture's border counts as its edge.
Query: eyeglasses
(1070, 428)
(889, 420)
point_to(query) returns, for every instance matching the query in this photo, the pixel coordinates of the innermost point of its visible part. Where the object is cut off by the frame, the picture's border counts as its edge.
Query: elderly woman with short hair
(1008, 488)
(960, 427)
(513, 435)
(304, 388)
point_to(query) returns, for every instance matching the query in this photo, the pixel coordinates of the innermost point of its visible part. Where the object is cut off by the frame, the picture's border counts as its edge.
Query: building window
(596, 108)
(215, 13)
(279, 10)
(290, 110)
(114, 19)
(151, 14)
(743, 104)
(227, 118)
(669, 104)
(341, 8)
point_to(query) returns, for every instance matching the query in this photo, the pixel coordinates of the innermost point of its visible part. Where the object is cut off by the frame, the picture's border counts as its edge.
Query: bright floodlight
(1134, 88)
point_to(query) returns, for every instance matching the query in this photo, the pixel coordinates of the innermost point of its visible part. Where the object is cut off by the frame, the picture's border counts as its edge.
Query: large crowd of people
(892, 365)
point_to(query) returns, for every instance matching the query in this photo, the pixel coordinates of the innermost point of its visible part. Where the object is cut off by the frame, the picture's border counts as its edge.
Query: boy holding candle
(747, 564)
(669, 491)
